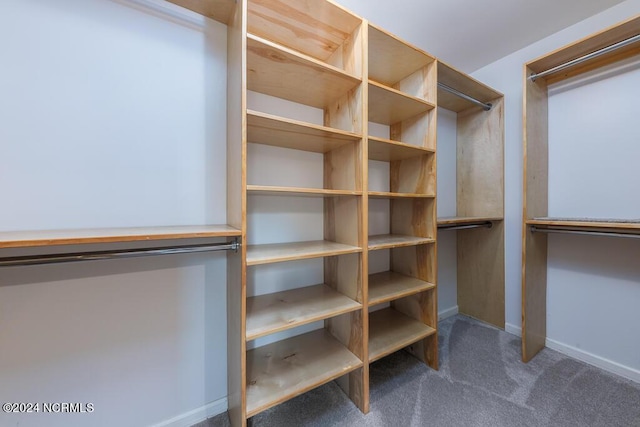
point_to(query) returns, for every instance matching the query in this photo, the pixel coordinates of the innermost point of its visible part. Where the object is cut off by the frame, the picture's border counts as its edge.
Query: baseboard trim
(594, 360)
(513, 329)
(447, 313)
(197, 415)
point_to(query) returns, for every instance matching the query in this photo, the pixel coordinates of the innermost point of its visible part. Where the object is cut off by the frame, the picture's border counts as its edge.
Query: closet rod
(586, 57)
(115, 254)
(485, 105)
(487, 224)
(535, 229)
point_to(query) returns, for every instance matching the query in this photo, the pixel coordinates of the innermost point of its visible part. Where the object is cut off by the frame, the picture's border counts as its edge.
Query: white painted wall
(591, 280)
(113, 114)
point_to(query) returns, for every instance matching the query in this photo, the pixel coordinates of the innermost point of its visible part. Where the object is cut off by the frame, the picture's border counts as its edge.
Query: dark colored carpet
(481, 382)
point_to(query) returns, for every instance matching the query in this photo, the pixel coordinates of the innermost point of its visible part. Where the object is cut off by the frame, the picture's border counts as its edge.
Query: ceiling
(470, 34)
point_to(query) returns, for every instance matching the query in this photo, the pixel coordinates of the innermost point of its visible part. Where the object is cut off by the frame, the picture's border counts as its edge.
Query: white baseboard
(447, 312)
(597, 361)
(513, 329)
(197, 415)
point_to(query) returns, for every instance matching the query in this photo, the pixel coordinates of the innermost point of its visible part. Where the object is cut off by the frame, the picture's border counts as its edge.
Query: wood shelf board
(467, 220)
(589, 44)
(218, 10)
(277, 131)
(267, 314)
(464, 83)
(278, 71)
(389, 195)
(391, 59)
(285, 369)
(390, 331)
(388, 106)
(317, 28)
(390, 241)
(280, 252)
(389, 285)
(35, 238)
(588, 224)
(298, 191)
(387, 150)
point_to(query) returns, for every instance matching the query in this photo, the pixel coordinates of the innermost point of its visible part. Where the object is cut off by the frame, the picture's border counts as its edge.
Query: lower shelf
(280, 371)
(390, 330)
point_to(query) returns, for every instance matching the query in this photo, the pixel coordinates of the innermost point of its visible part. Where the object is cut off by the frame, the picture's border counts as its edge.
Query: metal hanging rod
(487, 224)
(485, 105)
(586, 57)
(115, 254)
(535, 229)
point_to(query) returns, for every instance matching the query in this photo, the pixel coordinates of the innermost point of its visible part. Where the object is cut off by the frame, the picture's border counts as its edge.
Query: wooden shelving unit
(536, 170)
(479, 195)
(388, 286)
(391, 330)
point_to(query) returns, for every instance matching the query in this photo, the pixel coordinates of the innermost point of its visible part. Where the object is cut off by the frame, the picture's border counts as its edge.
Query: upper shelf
(588, 224)
(460, 81)
(466, 220)
(390, 59)
(388, 106)
(316, 28)
(277, 131)
(587, 45)
(279, 252)
(17, 239)
(390, 241)
(386, 150)
(219, 10)
(279, 71)
(269, 190)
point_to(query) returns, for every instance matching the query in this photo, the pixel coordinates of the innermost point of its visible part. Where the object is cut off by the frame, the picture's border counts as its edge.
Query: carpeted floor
(481, 382)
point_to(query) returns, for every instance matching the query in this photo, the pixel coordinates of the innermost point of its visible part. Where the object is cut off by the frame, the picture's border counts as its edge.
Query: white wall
(591, 280)
(113, 114)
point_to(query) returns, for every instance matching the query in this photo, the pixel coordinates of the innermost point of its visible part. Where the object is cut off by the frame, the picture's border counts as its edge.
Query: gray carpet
(481, 382)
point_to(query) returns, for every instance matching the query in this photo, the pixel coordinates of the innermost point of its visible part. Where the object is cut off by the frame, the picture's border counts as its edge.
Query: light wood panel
(466, 220)
(414, 217)
(236, 213)
(591, 43)
(386, 150)
(346, 112)
(480, 161)
(481, 273)
(464, 83)
(413, 175)
(389, 285)
(390, 195)
(299, 191)
(277, 131)
(219, 10)
(389, 241)
(282, 370)
(279, 252)
(41, 238)
(391, 59)
(277, 71)
(315, 27)
(388, 106)
(390, 330)
(267, 314)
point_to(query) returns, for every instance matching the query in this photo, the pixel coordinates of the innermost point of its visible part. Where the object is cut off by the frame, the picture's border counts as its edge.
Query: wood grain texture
(218, 10)
(285, 369)
(342, 167)
(349, 55)
(413, 217)
(342, 219)
(389, 285)
(387, 150)
(43, 238)
(480, 161)
(236, 213)
(416, 261)
(466, 220)
(391, 59)
(388, 106)
(389, 241)
(413, 175)
(344, 274)
(267, 314)
(462, 82)
(279, 252)
(591, 43)
(481, 282)
(277, 131)
(277, 71)
(315, 27)
(390, 195)
(422, 307)
(390, 331)
(298, 191)
(346, 112)
(534, 294)
(587, 224)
